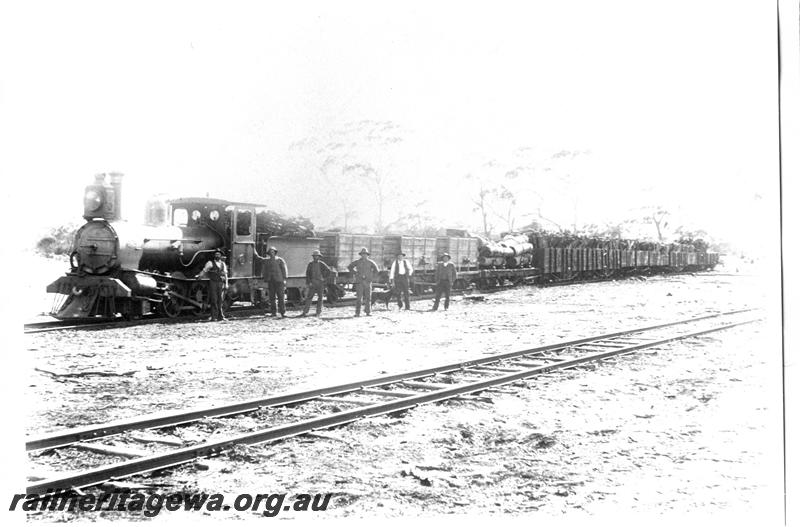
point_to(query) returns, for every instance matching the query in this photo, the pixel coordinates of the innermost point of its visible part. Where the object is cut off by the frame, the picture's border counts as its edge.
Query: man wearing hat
(364, 272)
(217, 273)
(399, 275)
(275, 273)
(316, 274)
(444, 278)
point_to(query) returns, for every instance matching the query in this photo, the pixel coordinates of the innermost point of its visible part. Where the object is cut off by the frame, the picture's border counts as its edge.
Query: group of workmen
(364, 272)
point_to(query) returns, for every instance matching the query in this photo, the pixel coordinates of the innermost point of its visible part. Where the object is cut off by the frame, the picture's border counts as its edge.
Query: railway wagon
(678, 260)
(549, 260)
(564, 264)
(560, 263)
(339, 249)
(463, 251)
(421, 252)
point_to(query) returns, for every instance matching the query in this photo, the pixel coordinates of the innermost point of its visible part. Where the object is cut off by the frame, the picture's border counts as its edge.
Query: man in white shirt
(217, 273)
(399, 276)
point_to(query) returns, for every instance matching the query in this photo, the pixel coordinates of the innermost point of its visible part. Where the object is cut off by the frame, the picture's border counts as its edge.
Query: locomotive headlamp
(92, 200)
(100, 199)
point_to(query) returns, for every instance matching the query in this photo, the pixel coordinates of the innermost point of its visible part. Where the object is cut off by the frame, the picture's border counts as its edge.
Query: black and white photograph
(428, 261)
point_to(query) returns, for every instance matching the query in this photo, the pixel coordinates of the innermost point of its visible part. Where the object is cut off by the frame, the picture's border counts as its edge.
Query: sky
(671, 104)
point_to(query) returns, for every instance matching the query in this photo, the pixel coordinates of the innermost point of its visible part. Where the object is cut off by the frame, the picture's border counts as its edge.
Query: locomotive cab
(233, 223)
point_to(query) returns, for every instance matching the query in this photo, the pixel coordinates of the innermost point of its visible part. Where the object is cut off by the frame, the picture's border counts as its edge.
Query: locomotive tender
(118, 268)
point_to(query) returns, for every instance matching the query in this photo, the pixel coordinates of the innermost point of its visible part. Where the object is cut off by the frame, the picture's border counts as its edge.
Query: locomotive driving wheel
(172, 304)
(199, 293)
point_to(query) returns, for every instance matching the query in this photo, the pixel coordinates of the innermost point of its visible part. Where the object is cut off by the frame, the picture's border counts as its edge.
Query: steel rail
(44, 327)
(237, 312)
(58, 325)
(99, 475)
(154, 318)
(159, 420)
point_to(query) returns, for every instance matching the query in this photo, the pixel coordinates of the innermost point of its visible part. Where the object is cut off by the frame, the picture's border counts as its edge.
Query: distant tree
(507, 203)
(481, 201)
(546, 219)
(696, 237)
(608, 230)
(352, 164)
(693, 234)
(380, 187)
(658, 216)
(498, 194)
(415, 223)
(535, 179)
(339, 191)
(58, 241)
(648, 222)
(563, 179)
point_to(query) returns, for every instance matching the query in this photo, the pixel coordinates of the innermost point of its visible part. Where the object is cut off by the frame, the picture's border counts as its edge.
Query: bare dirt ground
(693, 428)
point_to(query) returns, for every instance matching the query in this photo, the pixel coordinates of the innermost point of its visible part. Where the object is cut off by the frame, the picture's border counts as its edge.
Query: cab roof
(212, 202)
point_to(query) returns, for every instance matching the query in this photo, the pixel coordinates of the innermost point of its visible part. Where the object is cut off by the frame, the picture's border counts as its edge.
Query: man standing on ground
(444, 278)
(399, 276)
(217, 273)
(364, 271)
(275, 275)
(316, 274)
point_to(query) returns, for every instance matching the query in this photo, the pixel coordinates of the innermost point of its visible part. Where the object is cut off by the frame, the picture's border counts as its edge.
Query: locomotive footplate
(91, 297)
(78, 285)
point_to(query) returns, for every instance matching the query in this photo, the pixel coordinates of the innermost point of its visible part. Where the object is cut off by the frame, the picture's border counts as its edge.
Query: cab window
(244, 222)
(180, 217)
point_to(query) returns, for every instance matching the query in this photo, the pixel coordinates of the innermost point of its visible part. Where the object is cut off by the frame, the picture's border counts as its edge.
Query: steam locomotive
(121, 268)
(118, 268)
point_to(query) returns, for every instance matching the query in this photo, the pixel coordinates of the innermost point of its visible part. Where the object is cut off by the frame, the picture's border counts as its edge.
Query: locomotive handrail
(172, 240)
(192, 259)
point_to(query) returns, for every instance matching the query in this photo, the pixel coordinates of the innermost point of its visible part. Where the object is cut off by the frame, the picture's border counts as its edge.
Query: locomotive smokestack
(116, 183)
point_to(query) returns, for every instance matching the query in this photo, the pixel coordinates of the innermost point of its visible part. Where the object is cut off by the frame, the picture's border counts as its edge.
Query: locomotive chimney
(116, 183)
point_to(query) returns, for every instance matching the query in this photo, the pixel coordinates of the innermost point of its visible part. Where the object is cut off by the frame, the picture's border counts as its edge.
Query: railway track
(233, 312)
(322, 407)
(244, 311)
(59, 325)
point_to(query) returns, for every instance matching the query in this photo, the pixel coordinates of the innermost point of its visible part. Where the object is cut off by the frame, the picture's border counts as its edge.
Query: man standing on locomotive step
(275, 274)
(316, 274)
(444, 278)
(217, 273)
(365, 271)
(399, 275)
